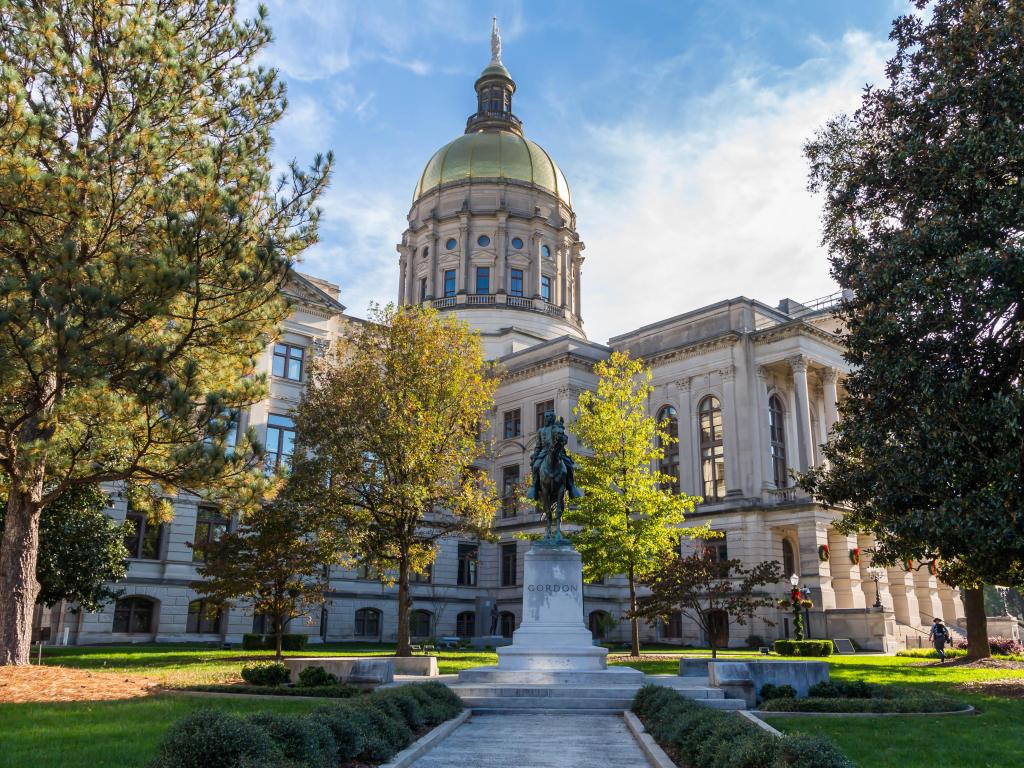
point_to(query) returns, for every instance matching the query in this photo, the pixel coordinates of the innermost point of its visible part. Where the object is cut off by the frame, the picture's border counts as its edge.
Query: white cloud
(677, 218)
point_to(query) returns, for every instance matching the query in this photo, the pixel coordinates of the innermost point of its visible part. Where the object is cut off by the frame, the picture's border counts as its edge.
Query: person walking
(939, 635)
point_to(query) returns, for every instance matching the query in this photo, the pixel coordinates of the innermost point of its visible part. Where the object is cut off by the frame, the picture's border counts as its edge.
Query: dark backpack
(940, 632)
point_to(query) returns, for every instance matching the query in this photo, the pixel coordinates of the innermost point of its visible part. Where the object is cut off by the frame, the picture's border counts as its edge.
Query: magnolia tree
(708, 591)
(387, 436)
(142, 247)
(922, 219)
(629, 518)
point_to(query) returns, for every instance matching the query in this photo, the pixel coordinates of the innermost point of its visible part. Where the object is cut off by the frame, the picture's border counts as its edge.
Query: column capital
(728, 373)
(829, 376)
(762, 373)
(683, 384)
(798, 363)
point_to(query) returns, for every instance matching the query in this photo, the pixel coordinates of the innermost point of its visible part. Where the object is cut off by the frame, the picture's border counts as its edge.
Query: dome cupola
(494, 89)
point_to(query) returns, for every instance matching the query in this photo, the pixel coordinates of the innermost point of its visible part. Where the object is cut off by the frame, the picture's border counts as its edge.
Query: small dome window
(483, 241)
(517, 243)
(426, 251)
(545, 252)
(451, 243)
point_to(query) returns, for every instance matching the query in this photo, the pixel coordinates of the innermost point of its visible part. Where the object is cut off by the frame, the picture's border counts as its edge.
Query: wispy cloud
(675, 218)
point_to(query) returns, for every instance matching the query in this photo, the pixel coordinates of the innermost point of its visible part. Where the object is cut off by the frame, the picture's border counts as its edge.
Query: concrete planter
(744, 679)
(352, 671)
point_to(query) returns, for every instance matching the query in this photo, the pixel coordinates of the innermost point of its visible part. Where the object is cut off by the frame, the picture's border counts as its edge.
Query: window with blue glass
(483, 241)
(545, 287)
(545, 252)
(516, 287)
(450, 245)
(449, 282)
(517, 243)
(483, 279)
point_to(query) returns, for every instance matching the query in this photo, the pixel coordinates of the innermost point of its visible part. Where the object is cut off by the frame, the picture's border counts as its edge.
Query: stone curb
(655, 755)
(969, 711)
(427, 742)
(759, 722)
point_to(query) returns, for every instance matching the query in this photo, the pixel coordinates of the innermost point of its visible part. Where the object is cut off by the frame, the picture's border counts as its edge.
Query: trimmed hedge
(930, 653)
(316, 677)
(771, 691)
(290, 641)
(702, 737)
(816, 648)
(880, 705)
(273, 673)
(369, 729)
(327, 691)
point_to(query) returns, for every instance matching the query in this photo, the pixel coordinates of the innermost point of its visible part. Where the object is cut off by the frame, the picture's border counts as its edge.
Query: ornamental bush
(316, 677)
(210, 738)
(930, 653)
(302, 740)
(290, 641)
(771, 691)
(841, 689)
(816, 648)
(999, 646)
(877, 705)
(349, 733)
(273, 673)
(407, 705)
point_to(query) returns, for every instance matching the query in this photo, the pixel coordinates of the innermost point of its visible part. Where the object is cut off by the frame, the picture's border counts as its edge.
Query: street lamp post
(805, 594)
(795, 596)
(876, 576)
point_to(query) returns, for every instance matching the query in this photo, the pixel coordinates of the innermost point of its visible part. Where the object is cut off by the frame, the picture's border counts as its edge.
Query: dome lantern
(494, 89)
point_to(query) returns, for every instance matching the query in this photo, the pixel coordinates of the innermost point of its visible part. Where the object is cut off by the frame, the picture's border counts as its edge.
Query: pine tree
(924, 209)
(142, 251)
(629, 519)
(387, 436)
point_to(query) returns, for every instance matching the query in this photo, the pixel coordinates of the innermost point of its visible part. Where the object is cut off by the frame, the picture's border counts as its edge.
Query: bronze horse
(551, 483)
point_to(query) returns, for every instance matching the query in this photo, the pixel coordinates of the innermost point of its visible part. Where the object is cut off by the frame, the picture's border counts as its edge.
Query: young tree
(922, 218)
(629, 519)
(277, 559)
(81, 550)
(142, 247)
(387, 437)
(704, 588)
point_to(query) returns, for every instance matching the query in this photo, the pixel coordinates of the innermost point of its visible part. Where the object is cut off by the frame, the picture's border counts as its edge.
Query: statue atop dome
(495, 41)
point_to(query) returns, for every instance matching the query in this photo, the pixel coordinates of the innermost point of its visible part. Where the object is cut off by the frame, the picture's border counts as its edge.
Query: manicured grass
(106, 734)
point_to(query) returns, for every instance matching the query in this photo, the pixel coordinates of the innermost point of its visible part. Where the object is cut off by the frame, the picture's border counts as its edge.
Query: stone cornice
(795, 328)
(703, 346)
(568, 360)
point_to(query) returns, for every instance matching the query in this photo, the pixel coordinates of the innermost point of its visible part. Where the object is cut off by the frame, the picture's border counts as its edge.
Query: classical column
(845, 575)
(927, 589)
(815, 571)
(805, 446)
(563, 273)
(952, 606)
(403, 273)
(764, 428)
(432, 275)
(829, 378)
(687, 449)
(577, 270)
(904, 598)
(538, 263)
(500, 261)
(731, 436)
(465, 257)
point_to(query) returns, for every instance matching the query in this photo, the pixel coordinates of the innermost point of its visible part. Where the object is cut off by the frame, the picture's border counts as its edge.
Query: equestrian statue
(553, 474)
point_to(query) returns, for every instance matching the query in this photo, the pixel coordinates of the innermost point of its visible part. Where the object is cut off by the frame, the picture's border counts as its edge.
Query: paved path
(562, 740)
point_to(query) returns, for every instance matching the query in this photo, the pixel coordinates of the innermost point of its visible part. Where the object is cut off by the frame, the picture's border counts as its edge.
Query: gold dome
(493, 156)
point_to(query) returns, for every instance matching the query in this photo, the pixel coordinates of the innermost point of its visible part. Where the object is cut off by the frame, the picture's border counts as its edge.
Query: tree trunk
(403, 647)
(278, 636)
(19, 551)
(977, 623)
(634, 622)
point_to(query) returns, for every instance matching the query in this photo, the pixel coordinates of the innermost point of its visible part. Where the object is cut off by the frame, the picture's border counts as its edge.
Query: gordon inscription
(552, 588)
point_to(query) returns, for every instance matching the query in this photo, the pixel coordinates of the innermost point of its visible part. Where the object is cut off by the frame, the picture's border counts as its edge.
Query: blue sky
(677, 124)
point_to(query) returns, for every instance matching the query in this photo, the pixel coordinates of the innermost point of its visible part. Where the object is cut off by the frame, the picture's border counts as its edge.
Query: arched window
(465, 624)
(203, 617)
(507, 623)
(420, 623)
(788, 559)
(777, 435)
(598, 623)
(134, 615)
(669, 465)
(367, 622)
(712, 453)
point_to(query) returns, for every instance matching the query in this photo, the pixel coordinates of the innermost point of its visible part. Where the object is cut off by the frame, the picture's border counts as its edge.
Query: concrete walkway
(557, 740)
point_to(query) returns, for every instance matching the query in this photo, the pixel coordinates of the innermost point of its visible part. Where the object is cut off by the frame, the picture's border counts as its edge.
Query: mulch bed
(19, 685)
(1010, 688)
(963, 661)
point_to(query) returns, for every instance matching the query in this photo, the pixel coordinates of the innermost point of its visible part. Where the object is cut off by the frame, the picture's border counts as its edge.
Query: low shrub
(755, 641)
(407, 704)
(290, 641)
(273, 673)
(252, 641)
(771, 691)
(327, 692)
(702, 737)
(303, 740)
(1002, 646)
(841, 689)
(433, 711)
(881, 704)
(816, 648)
(210, 738)
(349, 733)
(316, 677)
(930, 653)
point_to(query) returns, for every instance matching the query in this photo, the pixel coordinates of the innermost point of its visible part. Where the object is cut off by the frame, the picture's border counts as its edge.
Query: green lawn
(125, 733)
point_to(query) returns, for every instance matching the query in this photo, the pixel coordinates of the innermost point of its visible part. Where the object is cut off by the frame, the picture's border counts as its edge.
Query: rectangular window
(449, 282)
(509, 486)
(674, 626)
(280, 441)
(717, 549)
(203, 618)
(516, 283)
(423, 289)
(210, 526)
(229, 419)
(424, 578)
(513, 423)
(483, 280)
(542, 409)
(143, 540)
(545, 287)
(468, 556)
(288, 361)
(508, 565)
